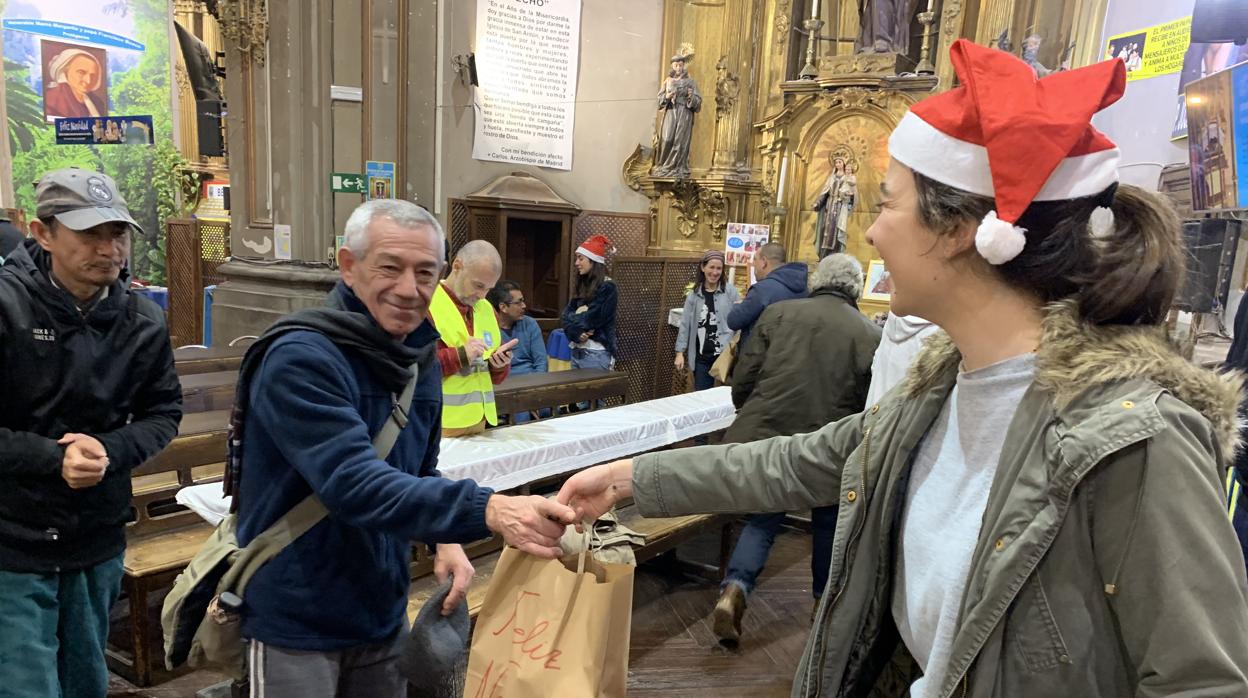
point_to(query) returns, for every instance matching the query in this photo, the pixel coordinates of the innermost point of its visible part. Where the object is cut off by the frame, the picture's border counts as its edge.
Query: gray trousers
(367, 671)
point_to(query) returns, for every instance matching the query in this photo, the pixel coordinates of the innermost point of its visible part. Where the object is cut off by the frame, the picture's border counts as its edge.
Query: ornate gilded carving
(181, 78)
(637, 166)
(246, 24)
(854, 98)
(685, 198)
(783, 21)
(865, 64)
(727, 87)
(654, 219)
(715, 204)
(950, 17)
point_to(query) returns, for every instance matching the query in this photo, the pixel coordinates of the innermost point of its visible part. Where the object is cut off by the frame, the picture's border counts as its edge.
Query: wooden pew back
(195, 456)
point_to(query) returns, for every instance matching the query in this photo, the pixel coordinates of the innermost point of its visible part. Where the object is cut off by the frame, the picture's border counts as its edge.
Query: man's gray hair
(839, 272)
(404, 213)
(480, 252)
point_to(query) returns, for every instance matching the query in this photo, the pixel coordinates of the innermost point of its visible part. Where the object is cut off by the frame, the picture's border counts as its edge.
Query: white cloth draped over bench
(514, 456)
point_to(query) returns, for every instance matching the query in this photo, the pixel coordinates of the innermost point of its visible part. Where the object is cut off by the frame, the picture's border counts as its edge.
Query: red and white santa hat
(596, 248)
(1005, 134)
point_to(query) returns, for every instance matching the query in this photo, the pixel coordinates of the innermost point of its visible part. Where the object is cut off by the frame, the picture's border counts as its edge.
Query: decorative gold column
(995, 16)
(193, 16)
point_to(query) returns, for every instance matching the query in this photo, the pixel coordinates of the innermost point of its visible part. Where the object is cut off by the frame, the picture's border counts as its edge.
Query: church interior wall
(1141, 122)
(618, 77)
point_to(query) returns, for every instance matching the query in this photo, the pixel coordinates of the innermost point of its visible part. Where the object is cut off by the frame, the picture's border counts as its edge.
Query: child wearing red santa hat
(1038, 509)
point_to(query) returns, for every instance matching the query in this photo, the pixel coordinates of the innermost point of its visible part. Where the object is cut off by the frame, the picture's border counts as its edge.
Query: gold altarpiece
(194, 16)
(758, 119)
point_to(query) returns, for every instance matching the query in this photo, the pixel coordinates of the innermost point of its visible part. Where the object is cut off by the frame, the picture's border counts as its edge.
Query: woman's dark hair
(1128, 277)
(587, 284)
(699, 276)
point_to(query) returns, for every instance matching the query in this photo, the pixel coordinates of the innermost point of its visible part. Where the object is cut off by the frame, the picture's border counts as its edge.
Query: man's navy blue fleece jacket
(785, 283)
(314, 409)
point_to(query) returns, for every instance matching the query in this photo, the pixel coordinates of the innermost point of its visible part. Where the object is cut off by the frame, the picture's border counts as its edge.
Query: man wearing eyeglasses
(529, 356)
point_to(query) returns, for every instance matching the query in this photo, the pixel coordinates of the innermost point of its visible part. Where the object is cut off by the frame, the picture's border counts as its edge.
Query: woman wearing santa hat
(1038, 509)
(589, 319)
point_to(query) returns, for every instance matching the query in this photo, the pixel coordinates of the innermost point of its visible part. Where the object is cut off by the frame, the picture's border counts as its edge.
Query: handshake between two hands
(534, 524)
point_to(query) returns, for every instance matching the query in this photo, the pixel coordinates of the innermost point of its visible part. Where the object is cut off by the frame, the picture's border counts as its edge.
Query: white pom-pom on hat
(999, 241)
(1101, 222)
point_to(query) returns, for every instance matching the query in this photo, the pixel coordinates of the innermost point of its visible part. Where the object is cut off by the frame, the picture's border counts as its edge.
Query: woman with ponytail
(1038, 510)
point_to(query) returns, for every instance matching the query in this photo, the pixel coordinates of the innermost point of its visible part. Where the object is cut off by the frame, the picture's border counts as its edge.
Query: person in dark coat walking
(10, 236)
(777, 282)
(1237, 474)
(808, 365)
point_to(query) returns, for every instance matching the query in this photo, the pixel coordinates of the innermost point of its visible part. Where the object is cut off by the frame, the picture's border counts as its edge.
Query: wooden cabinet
(531, 226)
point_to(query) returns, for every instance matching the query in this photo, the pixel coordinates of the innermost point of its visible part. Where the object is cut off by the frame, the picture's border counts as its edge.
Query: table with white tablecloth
(514, 456)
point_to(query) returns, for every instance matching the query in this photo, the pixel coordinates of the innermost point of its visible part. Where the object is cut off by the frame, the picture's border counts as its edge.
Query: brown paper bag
(721, 370)
(547, 630)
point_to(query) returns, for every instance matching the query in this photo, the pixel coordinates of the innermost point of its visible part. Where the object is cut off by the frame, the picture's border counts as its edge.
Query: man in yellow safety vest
(472, 352)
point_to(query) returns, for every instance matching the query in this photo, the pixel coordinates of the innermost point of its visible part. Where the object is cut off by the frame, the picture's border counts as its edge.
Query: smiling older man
(326, 615)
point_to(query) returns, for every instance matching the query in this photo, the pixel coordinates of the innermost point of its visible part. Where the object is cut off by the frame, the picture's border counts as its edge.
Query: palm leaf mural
(25, 108)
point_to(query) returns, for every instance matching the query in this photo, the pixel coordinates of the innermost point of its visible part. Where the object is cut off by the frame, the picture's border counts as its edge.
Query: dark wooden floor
(673, 652)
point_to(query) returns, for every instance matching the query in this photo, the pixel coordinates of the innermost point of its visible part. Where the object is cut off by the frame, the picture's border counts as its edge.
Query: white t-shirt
(945, 503)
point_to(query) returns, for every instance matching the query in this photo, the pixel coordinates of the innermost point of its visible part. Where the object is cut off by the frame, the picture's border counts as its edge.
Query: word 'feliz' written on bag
(545, 628)
(527, 639)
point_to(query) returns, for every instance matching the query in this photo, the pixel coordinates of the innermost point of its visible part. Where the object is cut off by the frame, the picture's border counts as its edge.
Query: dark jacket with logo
(109, 374)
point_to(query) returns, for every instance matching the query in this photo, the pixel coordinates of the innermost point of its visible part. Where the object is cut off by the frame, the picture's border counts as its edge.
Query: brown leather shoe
(726, 619)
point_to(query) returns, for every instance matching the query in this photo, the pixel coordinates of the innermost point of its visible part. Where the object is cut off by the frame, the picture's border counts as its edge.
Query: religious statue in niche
(834, 203)
(884, 26)
(1031, 56)
(679, 100)
(1031, 53)
(727, 87)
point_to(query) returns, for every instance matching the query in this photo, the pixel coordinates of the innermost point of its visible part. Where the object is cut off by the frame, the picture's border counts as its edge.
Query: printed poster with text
(1153, 51)
(527, 56)
(88, 84)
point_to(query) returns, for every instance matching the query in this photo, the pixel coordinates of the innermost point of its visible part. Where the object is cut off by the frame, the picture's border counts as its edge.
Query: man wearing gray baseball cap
(91, 393)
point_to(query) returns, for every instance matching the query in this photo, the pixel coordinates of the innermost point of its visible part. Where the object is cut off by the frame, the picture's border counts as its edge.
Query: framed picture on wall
(879, 285)
(75, 80)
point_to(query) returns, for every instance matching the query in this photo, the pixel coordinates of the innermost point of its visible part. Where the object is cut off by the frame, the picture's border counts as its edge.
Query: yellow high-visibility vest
(466, 399)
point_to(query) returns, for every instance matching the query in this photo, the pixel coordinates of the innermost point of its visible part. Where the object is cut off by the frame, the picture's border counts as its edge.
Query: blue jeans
(522, 417)
(754, 545)
(702, 379)
(53, 631)
(592, 358)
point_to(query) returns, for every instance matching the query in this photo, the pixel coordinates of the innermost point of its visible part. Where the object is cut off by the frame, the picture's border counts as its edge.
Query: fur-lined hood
(1074, 356)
